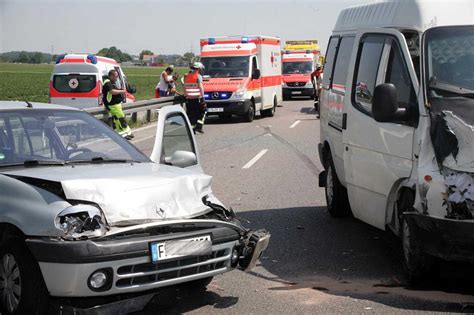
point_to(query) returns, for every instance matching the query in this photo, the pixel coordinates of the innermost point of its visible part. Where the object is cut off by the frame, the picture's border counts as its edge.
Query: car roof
(10, 105)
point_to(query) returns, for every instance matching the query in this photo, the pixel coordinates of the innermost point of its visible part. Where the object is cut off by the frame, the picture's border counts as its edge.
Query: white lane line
(295, 123)
(255, 159)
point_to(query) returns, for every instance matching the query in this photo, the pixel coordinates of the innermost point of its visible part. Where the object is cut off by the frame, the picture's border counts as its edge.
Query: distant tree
(36, 57)
(145, 52)
(114, 53)
(188, 58)
(23, 57)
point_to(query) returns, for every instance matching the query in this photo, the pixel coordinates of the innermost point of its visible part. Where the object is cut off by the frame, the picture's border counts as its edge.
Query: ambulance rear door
(269, 59)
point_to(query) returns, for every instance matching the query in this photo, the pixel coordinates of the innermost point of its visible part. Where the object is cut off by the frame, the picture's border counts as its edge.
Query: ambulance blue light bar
(60, 57)
(92, 58)
(211, 41)
(244, 40)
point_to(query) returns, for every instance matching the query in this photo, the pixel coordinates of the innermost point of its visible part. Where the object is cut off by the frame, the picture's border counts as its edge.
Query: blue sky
(165, 27)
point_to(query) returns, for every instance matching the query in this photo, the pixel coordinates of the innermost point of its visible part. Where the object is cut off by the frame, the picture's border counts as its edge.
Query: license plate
(196, 246)
(296, 92)
(215, 110)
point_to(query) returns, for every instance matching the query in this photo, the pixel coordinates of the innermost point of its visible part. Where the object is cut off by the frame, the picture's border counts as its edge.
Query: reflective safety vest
(191, 85)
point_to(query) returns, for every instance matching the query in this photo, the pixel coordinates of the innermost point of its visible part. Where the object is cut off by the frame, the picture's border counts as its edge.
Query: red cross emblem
(238, 47)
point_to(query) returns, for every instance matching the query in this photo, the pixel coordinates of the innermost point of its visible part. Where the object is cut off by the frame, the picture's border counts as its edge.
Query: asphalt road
(314, 263)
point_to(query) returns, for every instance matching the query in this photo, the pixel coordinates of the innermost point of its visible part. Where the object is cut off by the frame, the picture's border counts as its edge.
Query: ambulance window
(342, 62)
(397, 74)
(254, 63)
(370, 51)
(329, 62)
(74, 83)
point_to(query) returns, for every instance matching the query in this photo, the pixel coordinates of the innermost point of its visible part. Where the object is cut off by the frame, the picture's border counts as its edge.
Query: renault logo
(215, 95)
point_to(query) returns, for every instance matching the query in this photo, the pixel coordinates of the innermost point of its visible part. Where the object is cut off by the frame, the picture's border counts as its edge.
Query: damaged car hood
(453, 133)
(138, 192)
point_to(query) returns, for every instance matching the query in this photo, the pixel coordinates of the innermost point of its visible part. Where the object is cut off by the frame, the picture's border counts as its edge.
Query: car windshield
(297, 67)
(449, 61)
(226, 67)
(41, 137)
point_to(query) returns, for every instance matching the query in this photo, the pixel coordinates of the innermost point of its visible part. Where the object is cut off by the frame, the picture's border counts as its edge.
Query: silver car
(85, 214)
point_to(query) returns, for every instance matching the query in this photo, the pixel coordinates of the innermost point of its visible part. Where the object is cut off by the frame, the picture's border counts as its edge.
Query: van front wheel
(417, 263)
(336, 194)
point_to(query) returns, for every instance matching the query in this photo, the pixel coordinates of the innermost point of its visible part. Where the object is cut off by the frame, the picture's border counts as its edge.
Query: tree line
(113, 52)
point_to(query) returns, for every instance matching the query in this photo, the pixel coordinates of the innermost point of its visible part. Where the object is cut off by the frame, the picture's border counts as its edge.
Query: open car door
(174, 142)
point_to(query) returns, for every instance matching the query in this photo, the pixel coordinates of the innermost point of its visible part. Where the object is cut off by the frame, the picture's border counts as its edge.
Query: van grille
(296, 84)
(150, 273)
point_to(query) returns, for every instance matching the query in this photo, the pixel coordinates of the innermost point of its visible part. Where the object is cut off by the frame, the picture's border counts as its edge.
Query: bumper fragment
(448, 239)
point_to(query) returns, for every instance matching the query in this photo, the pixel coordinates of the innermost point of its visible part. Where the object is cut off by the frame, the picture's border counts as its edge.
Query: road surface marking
(255, 159)
(295, 123)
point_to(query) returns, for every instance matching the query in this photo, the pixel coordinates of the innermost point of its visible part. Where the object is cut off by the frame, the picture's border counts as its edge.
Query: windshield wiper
(32, 163)
(451, 88)
(100, 159)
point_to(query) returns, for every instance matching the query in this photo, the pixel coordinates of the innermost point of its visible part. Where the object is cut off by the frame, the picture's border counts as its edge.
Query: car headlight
(81, 221)
(309, 84)
(240, 93)
(283, 84)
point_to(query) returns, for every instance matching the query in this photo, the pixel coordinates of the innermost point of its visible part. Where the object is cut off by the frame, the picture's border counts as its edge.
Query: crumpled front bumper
(451, 240)
(67, 265)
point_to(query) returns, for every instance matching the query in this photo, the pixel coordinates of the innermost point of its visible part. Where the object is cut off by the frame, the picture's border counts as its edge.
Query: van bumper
(448, 239)
(289, 92)
(234, 107)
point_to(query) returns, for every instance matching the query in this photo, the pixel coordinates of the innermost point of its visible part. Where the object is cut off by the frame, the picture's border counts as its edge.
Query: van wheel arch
(9, 231)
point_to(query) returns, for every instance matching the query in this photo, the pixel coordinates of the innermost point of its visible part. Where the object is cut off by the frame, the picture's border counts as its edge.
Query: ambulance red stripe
(92, 93)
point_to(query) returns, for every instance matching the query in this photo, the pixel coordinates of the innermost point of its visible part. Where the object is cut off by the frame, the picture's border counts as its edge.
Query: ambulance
(300, 58)
(242, 75)
(77, 80)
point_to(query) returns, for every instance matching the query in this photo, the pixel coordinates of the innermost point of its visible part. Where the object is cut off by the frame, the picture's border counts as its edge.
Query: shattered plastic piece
(460, 194)
(463, 159)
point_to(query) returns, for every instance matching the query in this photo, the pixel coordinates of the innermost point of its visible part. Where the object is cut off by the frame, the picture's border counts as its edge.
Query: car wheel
(417, 263)
(336, 194)
(22, 290)
(250, 115)
(271, 111)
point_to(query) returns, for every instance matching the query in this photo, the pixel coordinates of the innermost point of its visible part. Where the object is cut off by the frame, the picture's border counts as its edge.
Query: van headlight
(80, 221)
(240, 93)
(309, 84)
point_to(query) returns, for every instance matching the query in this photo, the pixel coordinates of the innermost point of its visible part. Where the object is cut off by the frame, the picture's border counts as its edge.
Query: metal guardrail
(135, 107)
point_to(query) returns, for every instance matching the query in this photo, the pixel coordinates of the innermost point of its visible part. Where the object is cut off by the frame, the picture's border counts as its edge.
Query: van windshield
(226, 67)
(74, 83)
(297, 67)
(449, 61)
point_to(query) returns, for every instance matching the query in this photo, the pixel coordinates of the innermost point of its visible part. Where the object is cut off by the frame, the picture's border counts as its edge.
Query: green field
(28, 82)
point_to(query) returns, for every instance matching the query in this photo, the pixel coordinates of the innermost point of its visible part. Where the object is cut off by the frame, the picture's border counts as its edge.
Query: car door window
(329, 61)
(370, 52)
(397, 74)
(176, 136)
(342, 63)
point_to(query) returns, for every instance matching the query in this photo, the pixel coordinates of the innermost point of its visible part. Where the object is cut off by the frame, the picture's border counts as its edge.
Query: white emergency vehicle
(300, 58)
(77, 80)
(242, 75)
(397, 125)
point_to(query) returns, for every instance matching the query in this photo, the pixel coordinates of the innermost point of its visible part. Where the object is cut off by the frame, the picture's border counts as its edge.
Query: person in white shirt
(166, 79)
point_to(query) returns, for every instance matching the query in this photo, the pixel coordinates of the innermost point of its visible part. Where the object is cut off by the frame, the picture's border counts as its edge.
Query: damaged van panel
(464, 133)
(460, 194)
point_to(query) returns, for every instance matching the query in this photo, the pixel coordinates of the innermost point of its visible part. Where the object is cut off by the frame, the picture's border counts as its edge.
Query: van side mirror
(385, 104)
(256, 74)
(132, 89)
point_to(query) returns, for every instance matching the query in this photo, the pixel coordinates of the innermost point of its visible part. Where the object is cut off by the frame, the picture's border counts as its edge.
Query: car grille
(150, 273)
(296, 84)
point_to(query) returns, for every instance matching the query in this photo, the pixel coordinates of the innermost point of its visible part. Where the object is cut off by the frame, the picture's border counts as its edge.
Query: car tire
(250, 115)
(22, 289)
(417, 263)
(271, 111)
(337, 200)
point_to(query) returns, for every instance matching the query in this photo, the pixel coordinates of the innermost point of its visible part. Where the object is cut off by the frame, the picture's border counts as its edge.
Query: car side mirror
(182, 159)
(132, 89)
(256, 74)
(385, 104)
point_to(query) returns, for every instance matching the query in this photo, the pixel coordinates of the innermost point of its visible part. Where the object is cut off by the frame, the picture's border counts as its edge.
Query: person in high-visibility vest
(113, 97)
(194, 92)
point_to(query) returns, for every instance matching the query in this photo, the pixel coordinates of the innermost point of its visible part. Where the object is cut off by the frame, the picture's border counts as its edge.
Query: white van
(397, 117)
(77, 80)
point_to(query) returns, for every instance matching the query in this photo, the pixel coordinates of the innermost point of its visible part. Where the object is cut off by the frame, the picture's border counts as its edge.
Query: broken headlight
(460, 194)
(81, 221)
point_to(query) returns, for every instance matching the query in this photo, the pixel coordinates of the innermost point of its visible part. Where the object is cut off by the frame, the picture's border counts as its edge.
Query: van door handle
(344, 121)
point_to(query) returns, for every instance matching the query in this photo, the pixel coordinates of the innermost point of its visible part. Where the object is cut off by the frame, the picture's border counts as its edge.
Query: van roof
(416, 15)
